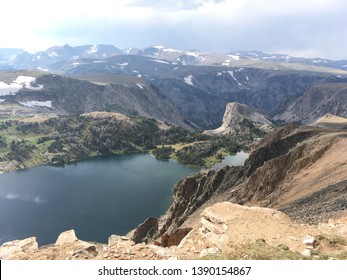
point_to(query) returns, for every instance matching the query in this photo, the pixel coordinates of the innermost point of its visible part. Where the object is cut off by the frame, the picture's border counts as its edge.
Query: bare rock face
(145, 230)
(237, 115)
(328, 98)
(18, 247)
(175, 238)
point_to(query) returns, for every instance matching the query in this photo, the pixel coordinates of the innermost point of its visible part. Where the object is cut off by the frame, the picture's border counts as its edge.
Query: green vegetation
(19, 150)
(163, 152)
(3, 143)
(332, 240)
(68, 138)
(260, 250)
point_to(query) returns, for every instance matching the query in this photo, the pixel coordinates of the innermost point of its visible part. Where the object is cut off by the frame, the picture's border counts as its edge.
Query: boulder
(306, 253)
(310, 242)
(66, 237)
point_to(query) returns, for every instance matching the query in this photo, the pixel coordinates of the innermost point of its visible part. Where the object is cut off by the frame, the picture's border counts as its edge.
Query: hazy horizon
(305, 28)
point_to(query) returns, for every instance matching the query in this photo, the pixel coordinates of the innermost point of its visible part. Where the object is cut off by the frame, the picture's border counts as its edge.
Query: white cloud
(173, 5)
(317, 26)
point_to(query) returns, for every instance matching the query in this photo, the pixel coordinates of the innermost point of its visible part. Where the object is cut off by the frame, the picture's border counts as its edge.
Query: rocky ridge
(222, 229)
(287, 166)
(331, 121)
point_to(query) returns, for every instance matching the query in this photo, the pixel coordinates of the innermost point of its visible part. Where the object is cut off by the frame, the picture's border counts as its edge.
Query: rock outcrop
(238, 115)
(18, 248)
(286, 170)
(143, 232)
(331, 121)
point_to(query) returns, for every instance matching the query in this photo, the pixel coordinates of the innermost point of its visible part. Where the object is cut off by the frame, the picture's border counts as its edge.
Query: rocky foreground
(225, 230)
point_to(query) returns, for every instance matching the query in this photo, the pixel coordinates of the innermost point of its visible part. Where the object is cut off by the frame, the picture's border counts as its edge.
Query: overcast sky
(309, 28)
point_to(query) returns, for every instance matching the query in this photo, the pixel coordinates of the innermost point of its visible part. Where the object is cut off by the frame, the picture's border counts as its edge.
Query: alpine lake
(96, 197)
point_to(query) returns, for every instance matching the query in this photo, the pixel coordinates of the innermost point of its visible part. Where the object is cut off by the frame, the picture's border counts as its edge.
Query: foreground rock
(220, 230)
(18, 248)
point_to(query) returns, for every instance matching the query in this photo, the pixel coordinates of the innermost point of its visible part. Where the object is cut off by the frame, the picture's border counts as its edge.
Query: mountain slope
(316, 102)
(284, 171)
(198, 84)
(53, 94)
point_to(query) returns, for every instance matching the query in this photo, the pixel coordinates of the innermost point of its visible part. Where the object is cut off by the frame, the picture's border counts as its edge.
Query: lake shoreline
(118, 191)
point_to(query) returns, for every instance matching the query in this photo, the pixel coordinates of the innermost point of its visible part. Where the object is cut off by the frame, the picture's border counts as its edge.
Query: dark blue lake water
(96, 197)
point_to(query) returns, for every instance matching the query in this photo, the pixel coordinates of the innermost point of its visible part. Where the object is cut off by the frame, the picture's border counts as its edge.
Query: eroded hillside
(284, 171)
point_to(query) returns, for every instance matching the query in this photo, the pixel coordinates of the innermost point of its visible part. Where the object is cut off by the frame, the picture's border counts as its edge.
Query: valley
(67, 104)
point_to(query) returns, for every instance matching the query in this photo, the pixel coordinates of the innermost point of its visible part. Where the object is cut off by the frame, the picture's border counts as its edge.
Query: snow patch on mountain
(33, 103)
(188, 80)
(231, 73)
(42, 69)
(171, 50)
(235, 57)
(269, 57)
(53, 54)
(93, 49)
(19, 83)
(160, 61)
(123, 64)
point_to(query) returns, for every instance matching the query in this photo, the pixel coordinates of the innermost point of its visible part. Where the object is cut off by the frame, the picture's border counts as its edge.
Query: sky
(304, 28)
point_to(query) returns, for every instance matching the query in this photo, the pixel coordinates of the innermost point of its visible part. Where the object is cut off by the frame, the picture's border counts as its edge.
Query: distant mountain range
(21, 59)
(186, 88)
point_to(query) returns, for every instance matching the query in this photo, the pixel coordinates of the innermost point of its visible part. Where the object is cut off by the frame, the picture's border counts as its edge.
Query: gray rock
(306, 253)
(310, 242)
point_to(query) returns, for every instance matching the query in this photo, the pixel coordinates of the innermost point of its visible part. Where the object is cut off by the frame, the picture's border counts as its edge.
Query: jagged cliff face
(202, 94)
(57, 95)
(284, 171)
(238, 115)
